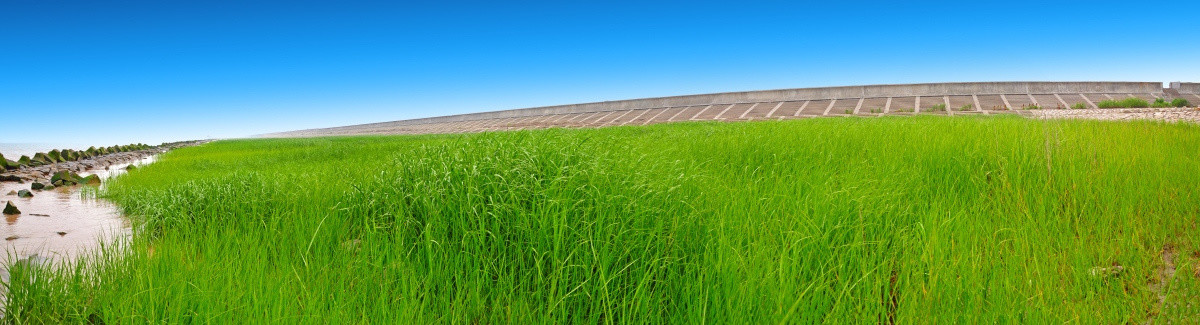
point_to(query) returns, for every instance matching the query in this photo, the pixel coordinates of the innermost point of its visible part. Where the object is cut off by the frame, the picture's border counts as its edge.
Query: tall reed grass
(922, 219)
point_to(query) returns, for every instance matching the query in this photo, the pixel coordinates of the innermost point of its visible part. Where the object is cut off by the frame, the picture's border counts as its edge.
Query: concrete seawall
(872, 91)
(981, 94)
(1187, 87)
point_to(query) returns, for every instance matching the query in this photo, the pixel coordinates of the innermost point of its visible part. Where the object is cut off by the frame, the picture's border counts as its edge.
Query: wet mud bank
(62, 222)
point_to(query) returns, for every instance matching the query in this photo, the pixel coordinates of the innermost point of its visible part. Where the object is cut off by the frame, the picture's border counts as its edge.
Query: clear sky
(153, 71)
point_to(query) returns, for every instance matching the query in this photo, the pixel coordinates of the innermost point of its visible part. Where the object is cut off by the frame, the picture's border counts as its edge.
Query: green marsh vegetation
(1134, 102)
(878, 220)
(1128, 102)
(1163, 103)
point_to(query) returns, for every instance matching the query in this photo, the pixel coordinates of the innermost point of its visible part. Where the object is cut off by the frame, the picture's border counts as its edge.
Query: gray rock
(10, 209)
(24, 194)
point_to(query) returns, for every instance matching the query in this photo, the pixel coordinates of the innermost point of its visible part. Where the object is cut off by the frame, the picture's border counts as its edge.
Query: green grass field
(846, 220)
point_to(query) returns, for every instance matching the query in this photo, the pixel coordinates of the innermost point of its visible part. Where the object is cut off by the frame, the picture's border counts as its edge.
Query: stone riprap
(1190, 114)
(42, 173)
(874, 100)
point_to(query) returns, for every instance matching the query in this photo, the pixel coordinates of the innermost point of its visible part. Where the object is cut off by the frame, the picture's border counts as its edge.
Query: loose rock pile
(1161, 114)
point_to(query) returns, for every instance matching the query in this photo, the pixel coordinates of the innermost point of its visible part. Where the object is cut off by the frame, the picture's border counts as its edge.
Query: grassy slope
(924, 219)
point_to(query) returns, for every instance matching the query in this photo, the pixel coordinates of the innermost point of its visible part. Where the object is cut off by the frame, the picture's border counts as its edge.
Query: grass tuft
(1180, 102)
(1160, 103)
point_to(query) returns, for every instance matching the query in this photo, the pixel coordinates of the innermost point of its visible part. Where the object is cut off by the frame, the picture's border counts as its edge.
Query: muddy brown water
(64, 223)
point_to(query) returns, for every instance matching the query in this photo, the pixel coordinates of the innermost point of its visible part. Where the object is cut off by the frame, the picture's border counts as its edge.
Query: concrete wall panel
(1189, 88)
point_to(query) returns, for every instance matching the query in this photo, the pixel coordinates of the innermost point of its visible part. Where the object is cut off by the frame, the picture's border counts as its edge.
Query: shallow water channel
(61, 224)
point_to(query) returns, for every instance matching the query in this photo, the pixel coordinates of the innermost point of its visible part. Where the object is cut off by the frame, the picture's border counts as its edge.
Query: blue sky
(153, 71)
